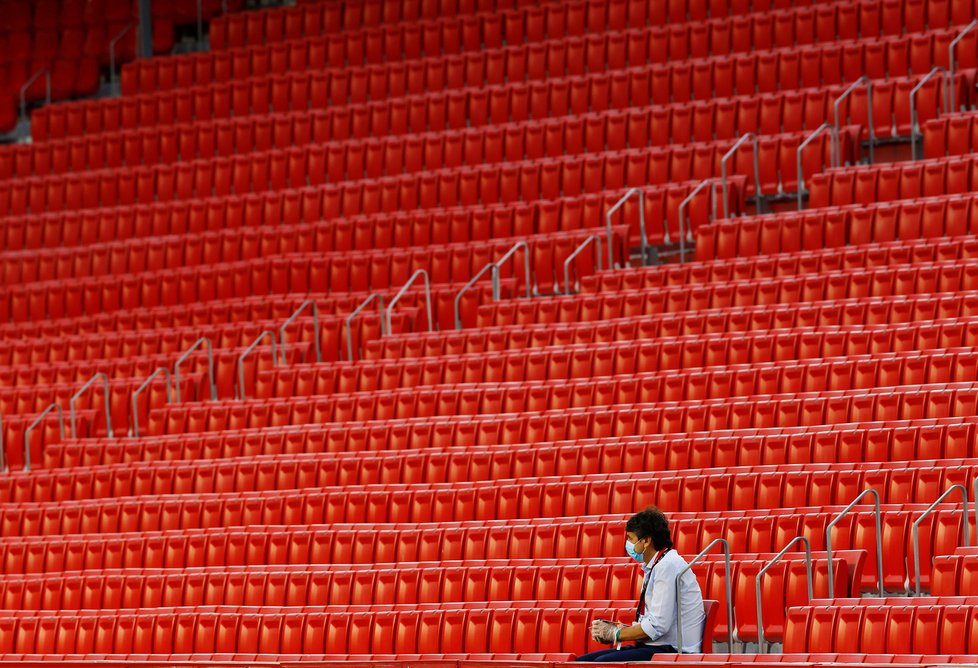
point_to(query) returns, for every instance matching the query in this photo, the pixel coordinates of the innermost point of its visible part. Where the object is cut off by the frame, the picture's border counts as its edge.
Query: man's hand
(603, 631)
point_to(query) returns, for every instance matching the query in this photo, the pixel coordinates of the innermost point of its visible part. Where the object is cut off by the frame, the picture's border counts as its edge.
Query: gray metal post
(258, 339)
(931, 509)
(687, 231)
(493, 268)
(202, 341)
(346, 323)
(641, 225)
(758, 196)
(420, 273)
(836, 144)
(730, 610)
(315, 328)
(592, 238)
(105, 391)
(760, 574)
(951, 58)
(879, 538)
(144, 47)
(824, 127)
(30, 82)
(139, 390)
(526, 268)
(914, 125)
(112, 44)
(37, 421)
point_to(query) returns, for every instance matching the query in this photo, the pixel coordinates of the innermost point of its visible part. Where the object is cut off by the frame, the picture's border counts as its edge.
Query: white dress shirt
(658, 620)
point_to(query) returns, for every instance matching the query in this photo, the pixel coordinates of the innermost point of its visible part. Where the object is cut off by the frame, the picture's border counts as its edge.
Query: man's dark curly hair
(651, 523)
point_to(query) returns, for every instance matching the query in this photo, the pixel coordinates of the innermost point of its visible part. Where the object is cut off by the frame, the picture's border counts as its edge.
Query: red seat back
(710, 607)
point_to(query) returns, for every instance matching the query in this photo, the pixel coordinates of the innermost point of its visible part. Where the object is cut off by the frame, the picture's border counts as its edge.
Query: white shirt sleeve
(659, 617)
(658, 621)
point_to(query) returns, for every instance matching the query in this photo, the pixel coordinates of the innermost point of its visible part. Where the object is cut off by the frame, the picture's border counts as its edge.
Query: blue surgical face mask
(630, 549)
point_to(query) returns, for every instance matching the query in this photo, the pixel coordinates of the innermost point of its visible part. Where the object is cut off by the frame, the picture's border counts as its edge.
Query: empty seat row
(394, 590)
(311, 460)
(242, 636)
(296, 161)
(691, 34)
(569, 420)
(147, 471)
(306, 206)
(239, 309)
(290, 273)
(215, 249)
(481, 36)
(549, 178)
(770, 443)
(932, 217)
(955, 575)
(783, 377)
(503, 539)
(759, 58)
(599, 320)
(473, 107)
(808, 486)
(868, 184)
(910, 627)
(852, 311)
(875, 281)
(314, 18)
(631, 354)
(912, 251)
(306, 586)
(951, 134)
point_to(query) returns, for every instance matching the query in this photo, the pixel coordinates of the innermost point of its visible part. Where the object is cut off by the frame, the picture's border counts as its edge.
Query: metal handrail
(879, 538)
(757, 171)
(241, 359)
(824, 127)
(105, 390)
(493, 268)
(760, 574)
(210, 366)
(641, 225)
(950, 56)
(349, 319)
(592, 238)
(30, 82)
(685, 232)
(730, 610)
(836, 129)
(115, 40)
(37, 421)
(916, 528)
(504, 259)
(400, 293)
(914, 125)
(135, 396)
(315, 329)
(200, 21)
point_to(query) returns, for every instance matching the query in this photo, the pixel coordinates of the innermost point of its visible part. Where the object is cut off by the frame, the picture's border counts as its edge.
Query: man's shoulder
(674, 560)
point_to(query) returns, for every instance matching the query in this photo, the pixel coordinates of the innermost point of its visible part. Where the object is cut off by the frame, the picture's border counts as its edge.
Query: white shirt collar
(648, 566)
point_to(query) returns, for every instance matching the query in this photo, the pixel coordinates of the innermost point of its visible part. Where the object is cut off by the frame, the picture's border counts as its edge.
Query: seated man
(648, 542)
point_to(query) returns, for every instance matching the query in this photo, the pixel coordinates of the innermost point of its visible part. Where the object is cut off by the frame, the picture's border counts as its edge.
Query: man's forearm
(634, 632)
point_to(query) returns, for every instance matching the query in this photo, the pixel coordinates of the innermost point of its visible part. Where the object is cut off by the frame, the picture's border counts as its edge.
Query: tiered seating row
(918, 625)
(423, 455)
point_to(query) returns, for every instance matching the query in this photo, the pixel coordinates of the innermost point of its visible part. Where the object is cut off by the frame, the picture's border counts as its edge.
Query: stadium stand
(356, 337)
(54, 49)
